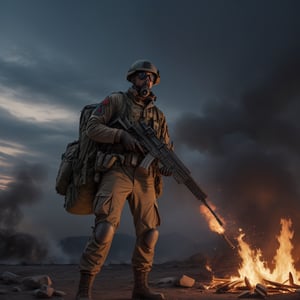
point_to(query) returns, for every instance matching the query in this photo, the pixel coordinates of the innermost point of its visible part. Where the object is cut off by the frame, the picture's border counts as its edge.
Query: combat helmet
(143, 65)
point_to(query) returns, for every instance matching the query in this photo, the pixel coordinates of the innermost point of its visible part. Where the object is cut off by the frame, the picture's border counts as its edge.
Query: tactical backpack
(75, 178)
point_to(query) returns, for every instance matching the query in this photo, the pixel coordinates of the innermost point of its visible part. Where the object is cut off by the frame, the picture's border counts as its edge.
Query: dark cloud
(49, 80)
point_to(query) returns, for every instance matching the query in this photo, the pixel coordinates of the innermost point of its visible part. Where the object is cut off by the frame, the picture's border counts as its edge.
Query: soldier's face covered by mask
(143, 82)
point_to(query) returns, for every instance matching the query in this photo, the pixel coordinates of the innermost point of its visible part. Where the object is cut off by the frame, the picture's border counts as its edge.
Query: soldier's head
(143, 75)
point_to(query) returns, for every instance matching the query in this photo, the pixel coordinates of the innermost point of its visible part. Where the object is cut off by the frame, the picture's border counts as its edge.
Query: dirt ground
(115, 283)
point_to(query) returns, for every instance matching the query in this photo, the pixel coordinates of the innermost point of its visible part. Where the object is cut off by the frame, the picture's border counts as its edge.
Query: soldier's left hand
(130, 143)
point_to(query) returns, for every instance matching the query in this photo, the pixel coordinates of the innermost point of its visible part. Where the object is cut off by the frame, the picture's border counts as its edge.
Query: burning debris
(247, 290)
(255, 279)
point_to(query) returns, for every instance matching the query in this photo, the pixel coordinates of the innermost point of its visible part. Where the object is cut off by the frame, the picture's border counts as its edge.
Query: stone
(44, 292)
(3, 292)
(16, 289)
(9, 277)
(59, 293)
(185, 281)
(35, 282)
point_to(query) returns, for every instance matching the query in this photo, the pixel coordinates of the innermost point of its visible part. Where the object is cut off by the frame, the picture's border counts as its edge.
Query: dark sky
(230, 86)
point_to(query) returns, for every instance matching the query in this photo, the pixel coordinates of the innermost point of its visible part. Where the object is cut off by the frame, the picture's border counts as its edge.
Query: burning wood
(223, 285)
(227, 286)
(261, 290)
(280, 286)
(248, 284)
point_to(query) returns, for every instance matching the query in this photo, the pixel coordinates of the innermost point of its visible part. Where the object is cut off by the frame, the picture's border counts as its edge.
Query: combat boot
(85, 286)
(141, 290)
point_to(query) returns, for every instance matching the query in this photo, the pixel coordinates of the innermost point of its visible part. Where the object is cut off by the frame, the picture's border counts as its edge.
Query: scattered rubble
(9, 277)
(35, 282)
(181, 281)
(40, 284)
(185, 281)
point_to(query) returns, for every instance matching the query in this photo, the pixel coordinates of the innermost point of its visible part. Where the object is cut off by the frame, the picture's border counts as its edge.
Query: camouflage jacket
(134, 108)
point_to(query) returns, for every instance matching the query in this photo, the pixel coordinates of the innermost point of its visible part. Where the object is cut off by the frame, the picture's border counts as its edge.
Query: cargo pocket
(102, 206)
(157, 214)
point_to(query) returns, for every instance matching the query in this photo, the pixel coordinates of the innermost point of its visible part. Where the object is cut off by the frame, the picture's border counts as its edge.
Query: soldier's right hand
(130, 143)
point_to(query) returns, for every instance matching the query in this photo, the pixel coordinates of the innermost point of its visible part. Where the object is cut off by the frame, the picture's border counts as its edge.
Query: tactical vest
(76, 174)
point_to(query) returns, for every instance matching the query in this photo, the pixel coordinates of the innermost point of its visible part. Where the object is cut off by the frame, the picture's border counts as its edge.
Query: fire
(212, 222)
(256, 269)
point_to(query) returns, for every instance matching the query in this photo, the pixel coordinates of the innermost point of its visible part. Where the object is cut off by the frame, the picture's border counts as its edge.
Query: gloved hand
(130, 143)
(165, 171)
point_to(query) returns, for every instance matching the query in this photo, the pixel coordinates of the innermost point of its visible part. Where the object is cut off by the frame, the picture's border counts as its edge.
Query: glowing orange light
(212, 222)
(256, 269)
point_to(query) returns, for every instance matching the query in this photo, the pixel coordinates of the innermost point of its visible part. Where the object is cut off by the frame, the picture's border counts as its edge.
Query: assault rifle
(167, 157)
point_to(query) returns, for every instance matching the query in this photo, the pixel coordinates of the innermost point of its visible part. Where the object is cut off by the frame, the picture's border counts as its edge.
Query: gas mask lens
(144, 75)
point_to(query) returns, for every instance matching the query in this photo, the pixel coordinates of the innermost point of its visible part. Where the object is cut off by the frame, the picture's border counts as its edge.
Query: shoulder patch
(105, 101)
(100, 110)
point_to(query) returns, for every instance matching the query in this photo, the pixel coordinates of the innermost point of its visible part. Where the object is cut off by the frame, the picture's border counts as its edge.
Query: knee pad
(150, 238)
(104, 232)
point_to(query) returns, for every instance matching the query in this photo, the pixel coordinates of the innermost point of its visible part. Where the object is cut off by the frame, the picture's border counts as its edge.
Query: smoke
(24, 190)
(251, 145)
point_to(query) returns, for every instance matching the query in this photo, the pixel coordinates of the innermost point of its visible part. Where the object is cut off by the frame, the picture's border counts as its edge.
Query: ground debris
(35, 282)
(40, 284)
(45, 291)
(180, 281)
(185, 281)
(9, 277)
(227, 286)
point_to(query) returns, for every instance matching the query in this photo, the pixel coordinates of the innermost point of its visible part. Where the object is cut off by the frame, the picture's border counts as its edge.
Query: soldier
(121, 180)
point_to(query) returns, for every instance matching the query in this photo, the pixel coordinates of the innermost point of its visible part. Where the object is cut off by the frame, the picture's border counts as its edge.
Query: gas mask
(144, 91)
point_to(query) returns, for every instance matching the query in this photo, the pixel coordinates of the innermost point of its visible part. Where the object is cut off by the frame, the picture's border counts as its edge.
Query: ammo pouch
(104, 161)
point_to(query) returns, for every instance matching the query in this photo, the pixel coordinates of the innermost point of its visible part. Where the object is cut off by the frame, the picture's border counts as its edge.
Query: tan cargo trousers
(118, 185)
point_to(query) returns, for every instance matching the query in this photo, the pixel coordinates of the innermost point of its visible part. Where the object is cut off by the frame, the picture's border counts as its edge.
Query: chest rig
(148, 113)
(113, 154)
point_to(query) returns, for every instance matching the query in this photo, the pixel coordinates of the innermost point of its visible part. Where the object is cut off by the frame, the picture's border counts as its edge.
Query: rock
(16, 289)
(9, 277)
(59, 293)
(167, 281)
(3, 292)
(44, 292)
(35, 282)
(185, 281)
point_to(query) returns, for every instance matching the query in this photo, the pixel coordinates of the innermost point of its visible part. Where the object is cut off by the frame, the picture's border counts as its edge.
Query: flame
(212, 222)
(208, 268)
(256, 269)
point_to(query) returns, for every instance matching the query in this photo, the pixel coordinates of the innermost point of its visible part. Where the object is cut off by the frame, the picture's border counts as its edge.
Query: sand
(115, 283)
